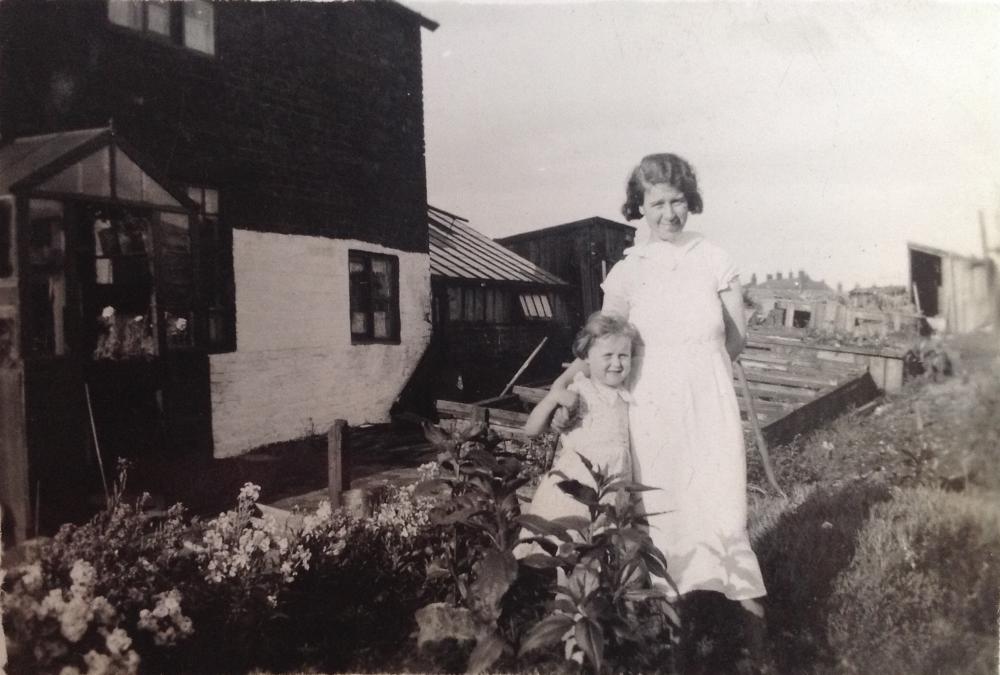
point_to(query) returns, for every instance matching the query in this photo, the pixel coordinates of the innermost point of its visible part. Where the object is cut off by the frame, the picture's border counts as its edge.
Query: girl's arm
(735, 319)
(578, 366)
(541, 414)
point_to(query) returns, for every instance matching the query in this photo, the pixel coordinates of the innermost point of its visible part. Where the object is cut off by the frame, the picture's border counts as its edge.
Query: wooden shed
(961, 290)
(490, 310)
(581, 252)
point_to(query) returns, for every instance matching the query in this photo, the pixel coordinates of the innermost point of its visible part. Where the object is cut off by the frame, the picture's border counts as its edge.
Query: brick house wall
(308, 119)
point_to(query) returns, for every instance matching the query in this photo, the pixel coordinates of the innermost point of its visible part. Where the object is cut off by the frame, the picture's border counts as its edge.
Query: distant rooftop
(557, 229)
(795, 283)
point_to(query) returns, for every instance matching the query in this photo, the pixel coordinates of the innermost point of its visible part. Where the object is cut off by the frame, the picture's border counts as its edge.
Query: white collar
(606, 393)
(685, 241)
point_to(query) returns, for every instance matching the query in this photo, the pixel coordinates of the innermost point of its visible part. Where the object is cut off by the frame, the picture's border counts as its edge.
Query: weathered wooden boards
(794, 391)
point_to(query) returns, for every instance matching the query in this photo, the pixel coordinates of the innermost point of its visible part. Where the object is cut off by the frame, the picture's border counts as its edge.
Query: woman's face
(666, 210)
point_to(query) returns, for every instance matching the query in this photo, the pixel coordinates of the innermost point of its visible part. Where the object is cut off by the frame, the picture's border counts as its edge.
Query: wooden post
(337, 470)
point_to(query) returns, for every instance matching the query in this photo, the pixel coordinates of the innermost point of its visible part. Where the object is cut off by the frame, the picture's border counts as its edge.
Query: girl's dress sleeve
(617, 289)
(724, 269)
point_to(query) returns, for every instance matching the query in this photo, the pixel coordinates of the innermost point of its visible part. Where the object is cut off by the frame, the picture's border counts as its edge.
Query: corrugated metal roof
(460, 252)
(24, 156)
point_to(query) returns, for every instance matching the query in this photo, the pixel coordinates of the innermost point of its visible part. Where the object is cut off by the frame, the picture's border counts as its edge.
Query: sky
(825, 135)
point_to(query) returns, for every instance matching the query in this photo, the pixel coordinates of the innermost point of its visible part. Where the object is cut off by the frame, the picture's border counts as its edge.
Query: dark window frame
(176, 24)
(6, 240)
(216, 279)
(362, 297)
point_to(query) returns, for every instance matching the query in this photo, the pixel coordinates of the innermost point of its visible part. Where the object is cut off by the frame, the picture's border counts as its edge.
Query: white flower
(102, 610)
(83, 576)
(97, 664)
(117, 641)
(69, 670)
(32, 577)
(181, 324)
(250, 492)
(108, 312)
(75, 619)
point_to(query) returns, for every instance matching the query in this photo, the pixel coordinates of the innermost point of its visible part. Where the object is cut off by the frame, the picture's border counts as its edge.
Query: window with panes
(190, 23)
(374, 297)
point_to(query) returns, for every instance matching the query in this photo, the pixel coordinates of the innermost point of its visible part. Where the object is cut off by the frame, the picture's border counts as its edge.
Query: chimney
(779, 276)
(802, 276)
(753, 279)
(770, 277)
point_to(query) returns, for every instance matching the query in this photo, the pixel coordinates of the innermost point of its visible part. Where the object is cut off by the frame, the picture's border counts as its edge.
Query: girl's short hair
(657, 170)
(600, 325)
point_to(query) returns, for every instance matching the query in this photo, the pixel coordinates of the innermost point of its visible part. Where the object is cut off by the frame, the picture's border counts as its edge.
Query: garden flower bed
(885, 558)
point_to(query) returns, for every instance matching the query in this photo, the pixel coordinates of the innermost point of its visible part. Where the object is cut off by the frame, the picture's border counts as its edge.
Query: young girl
(601, 402)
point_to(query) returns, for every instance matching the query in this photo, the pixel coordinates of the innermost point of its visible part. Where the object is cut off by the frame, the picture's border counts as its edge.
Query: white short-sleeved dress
(687, 437)
(602, 437)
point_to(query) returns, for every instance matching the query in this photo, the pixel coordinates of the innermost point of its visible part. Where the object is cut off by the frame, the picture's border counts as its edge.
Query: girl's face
(666, 210)
(610, 360)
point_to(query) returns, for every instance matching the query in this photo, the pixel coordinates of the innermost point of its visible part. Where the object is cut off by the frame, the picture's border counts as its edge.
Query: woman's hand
(567, 412)
(734, 318)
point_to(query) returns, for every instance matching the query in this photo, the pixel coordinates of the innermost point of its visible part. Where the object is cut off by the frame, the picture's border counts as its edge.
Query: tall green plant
(479, 520)
(605, 566)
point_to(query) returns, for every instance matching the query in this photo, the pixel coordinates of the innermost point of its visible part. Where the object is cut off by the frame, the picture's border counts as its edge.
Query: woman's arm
(541, 414)
(735, 319)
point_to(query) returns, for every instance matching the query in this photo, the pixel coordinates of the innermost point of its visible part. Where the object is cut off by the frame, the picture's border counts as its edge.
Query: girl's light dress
(687, 438)
(601, 436)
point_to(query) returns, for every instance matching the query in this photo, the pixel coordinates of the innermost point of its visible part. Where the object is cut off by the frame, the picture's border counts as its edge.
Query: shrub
(97, 579)
(921, 593)
(355, 606)
(801, 553)
(226, 595)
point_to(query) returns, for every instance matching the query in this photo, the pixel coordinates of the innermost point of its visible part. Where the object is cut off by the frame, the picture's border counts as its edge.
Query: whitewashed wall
(295, 369)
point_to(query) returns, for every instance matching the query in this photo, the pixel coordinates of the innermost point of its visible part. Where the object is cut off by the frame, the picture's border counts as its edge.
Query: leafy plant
(605, 567)
(479, 518)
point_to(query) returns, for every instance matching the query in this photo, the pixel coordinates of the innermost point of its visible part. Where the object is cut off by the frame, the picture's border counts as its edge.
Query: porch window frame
(214, 271)
(31, 187)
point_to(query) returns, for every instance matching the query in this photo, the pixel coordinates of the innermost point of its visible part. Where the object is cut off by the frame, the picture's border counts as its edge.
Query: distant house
(581, 252)
(491, 308)
(239, 258)
(795, 301)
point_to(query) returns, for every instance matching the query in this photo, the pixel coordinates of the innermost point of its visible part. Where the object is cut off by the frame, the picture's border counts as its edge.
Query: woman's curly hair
(656, 170)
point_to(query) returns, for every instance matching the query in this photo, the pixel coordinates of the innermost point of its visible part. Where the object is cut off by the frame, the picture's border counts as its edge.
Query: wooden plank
(472, 411)
(14, 492)
(828, 404)
(810, 367)
(498, 401)
(770, 409)
(778, 392)
(817, 381)
(530, 394)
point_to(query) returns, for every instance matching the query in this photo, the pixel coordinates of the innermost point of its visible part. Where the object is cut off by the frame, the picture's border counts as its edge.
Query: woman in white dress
(683, 295)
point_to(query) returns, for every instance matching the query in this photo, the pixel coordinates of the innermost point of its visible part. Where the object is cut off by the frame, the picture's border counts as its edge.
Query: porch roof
(460, 252)
(84, 162)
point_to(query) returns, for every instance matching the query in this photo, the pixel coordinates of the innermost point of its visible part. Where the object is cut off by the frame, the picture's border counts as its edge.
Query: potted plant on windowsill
(124, 337)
